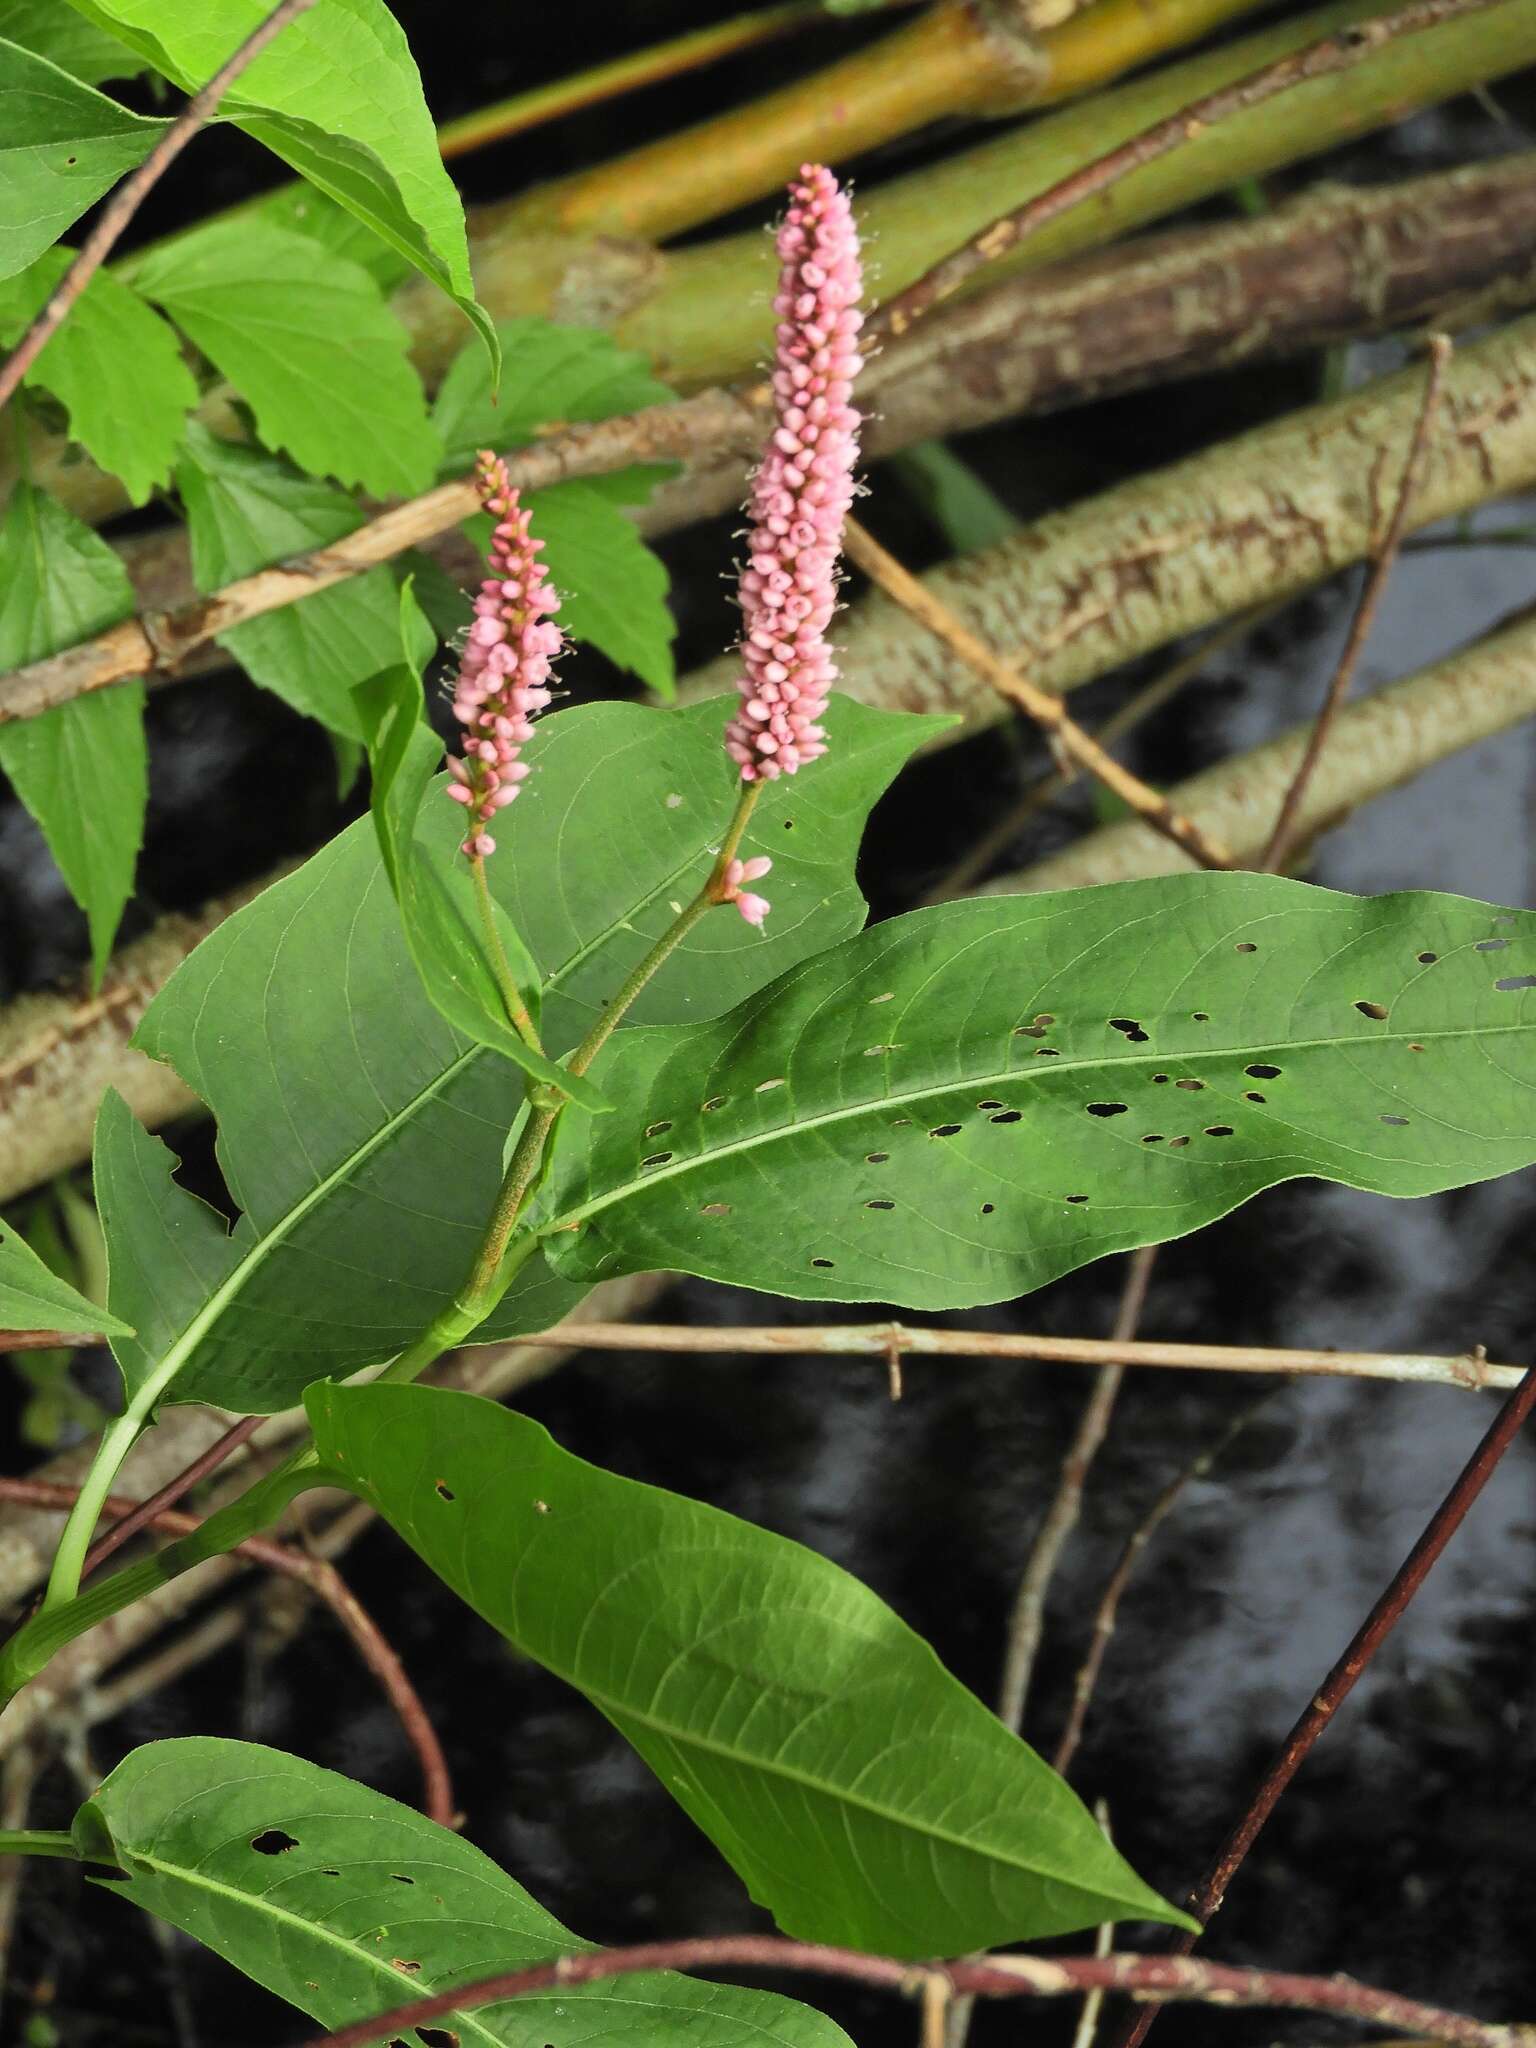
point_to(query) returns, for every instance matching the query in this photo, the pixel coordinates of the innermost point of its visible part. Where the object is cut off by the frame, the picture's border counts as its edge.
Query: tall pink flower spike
(800, 495)
(503, 677)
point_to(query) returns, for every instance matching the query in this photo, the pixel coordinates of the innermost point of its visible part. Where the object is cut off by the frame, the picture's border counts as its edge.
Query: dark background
(1405, 1854)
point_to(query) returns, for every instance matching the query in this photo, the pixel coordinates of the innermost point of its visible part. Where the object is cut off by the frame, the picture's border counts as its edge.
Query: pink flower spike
(506, 660)
(802, 491)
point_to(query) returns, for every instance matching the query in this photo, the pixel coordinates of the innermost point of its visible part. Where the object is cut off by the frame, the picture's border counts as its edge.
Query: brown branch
(1152, 1977)
(137, 1518)
(132, 192)
(327, 1584)
(1206, 1899)
(1341, 51)
(1383, 560)
(1120, 1577)
(1048, 712)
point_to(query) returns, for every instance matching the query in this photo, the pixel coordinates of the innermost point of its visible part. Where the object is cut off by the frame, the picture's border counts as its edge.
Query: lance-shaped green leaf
(115, 367)
(81, 769)
(348, 1904)
(864, 1795)
(52, 29)
(34, 1298)
(337, 96)
(307, 340)
(964, 1103)
(361, 1137)
(62, 144)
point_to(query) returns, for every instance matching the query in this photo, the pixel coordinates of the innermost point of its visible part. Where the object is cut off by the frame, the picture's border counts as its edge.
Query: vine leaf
(115, 367)
(338, 97)
(62, 146)
(864, 1795)
(80, 769)
(346, 1903)
(32, 1297)
(360, 1136)
(964, 1103)
(246, 510)
(304, 335)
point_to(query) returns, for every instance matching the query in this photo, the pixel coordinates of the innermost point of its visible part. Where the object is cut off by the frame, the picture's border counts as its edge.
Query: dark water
(1406, 1852)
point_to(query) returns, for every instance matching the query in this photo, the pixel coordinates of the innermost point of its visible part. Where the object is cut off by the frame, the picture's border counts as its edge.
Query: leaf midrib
(846, 1112)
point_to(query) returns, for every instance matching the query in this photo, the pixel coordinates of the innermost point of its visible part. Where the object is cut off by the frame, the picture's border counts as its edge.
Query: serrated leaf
(613, 588)
(115, 367)
(306, 338)
(302, 210)
(864, 1795)
(61, 146)
(338, 97)
(81, 769)
(34, 1298)
(363, 1139)
(346, 1904)
(246, 510)
(964, 1103)
(550, 374)
(52, 29)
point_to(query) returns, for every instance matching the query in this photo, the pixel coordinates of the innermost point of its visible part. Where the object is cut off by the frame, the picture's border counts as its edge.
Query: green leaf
(52, 29)
(114, 366)
(80, 770)
(962, 1104)
(362, 1138)
(61, 146)
(304, 336)
(302, 210)
(613, 588)
(346, 1903)
(967, 512)
(246, 510)
(338, 97)
(864, 1795)
(550, 374)
(34, 1298)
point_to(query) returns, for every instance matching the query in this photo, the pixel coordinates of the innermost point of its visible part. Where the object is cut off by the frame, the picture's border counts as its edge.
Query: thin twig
(132, 192)
(1471, 1369)
(1048, 712)
(191, 1475)
(1154, 1977)
(1340, 51)
(1282, 838)
(1103, 1944)
(327, 1584)
(1206, 1899)
(1119, 1579)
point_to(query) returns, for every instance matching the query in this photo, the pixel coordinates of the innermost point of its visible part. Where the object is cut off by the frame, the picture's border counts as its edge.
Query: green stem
(37, 1842)
(511, 998)
(117, 1440)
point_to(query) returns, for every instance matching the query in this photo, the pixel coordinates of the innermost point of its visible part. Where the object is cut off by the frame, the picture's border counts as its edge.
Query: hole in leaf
(1038, 1029)
(1513, 981)
(1263, 1073)
(1106, 1108)
(946, 1130)
(1253, 1095)
(437, 2037)
(1006, 1116)
(879, 1204)
(1130, 1027)
(716, 1209)
(1415, 1047)
(443, 1491)
(273, 1842)
(1218, 1130)
(1190, 1084)
(658, 1130)
(400, 1877)
(1075, 1199)
(330, 1873)
(991, 1102)
(1376, 1010)
(656, 1159)
(789, 824)
(1201, 1016)
(1159, 1079)
(1175, 1143)
(1245, 946)
(1491, 945)
(877, 1158)
(1428, 959)
(1046, 1052)
(408, 1967)
(825, 1263)
(986, 1208)
(714, 1102)
(763, 1087)
(1152, 1138)
(1400, 1121)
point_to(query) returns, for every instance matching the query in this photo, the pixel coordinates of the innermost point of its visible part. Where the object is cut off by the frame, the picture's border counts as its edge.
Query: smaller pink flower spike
(753, 908)
(504, 674)
(801, 493)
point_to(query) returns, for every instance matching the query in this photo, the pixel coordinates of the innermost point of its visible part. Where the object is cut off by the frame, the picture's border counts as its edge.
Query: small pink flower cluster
(503, 678)
(753, 908)
(801, 494)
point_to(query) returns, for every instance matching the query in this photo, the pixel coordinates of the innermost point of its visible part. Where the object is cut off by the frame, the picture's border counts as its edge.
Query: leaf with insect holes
(346, 1903)
(305, 337)
(337, 96)
(865, 1796)
(81, 769)
(302, 1018)
(115, 367)
(34, 1298)
(964, 1103)
(61, 146)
